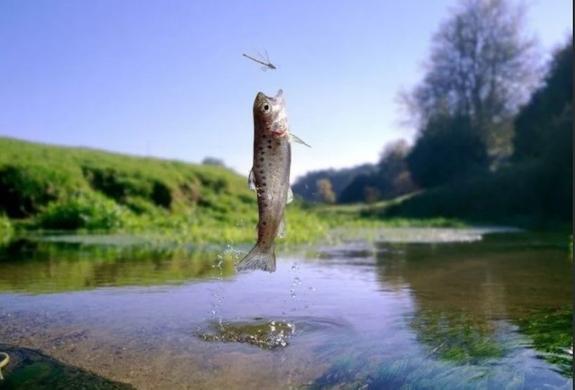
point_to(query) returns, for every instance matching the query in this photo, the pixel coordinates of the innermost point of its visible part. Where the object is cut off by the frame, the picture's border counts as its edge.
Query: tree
(213, 161)
(482, 67)
(305, 186)
(325, 190)
(392, 158)
(446, 150)
(371, 194)
(533, 125)
(356, 190)
(544, 136)
(391, 179)
(394, 177)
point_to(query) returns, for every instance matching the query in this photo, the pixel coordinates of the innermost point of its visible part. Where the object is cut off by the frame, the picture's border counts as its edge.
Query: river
(373, 309)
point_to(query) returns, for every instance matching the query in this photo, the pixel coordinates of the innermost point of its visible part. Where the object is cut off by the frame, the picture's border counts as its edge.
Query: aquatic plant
(456, 337)
(32, 369)
(551, 333)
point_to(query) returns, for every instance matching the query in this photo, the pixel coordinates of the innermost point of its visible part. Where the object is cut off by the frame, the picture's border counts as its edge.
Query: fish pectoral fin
(252, 180)
(289, 196)
(258, 258)
(281, 228)
(295, 138)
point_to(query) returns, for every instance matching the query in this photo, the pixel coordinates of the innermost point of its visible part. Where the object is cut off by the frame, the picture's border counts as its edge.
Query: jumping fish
(269, 177)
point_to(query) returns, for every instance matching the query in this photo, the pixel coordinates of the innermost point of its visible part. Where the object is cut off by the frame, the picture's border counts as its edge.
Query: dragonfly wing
(267, 57)
(260, 56)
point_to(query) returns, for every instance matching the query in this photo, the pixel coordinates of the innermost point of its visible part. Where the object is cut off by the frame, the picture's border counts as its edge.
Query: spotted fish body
(270, 177)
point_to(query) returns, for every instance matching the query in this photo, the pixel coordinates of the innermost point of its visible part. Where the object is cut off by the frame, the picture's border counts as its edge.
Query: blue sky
(167, 79)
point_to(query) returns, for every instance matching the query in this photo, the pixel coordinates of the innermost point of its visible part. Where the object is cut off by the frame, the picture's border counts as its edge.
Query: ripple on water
(266, 333)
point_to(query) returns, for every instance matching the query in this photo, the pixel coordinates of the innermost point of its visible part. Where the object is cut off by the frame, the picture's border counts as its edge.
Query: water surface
(426, 308)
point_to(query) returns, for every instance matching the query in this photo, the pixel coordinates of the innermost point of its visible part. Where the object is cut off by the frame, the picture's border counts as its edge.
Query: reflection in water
(381, 313)
(57, 267)
(462, 291)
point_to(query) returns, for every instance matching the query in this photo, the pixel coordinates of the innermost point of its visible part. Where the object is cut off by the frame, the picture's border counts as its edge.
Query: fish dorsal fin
(282, 228)
(295, 138)
(252, 180)
(289, 196)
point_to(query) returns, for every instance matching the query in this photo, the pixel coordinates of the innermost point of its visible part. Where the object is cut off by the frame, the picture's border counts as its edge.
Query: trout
(269, 177)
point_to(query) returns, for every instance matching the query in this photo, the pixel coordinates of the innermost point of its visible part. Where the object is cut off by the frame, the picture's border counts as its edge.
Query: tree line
(481, 111)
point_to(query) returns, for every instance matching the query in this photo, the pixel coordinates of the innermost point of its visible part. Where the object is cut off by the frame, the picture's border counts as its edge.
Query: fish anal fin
(281, 229)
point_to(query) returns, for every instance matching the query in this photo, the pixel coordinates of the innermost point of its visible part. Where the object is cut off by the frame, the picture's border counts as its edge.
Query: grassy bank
(45, 187)
(56, 188)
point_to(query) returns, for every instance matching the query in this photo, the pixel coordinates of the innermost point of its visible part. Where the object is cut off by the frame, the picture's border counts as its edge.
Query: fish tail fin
(262, 258)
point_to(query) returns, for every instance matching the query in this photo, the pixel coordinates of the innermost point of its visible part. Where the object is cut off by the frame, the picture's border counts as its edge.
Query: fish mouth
(279, 133)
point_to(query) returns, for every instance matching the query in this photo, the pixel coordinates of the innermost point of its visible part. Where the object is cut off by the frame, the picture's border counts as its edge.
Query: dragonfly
(262, 60)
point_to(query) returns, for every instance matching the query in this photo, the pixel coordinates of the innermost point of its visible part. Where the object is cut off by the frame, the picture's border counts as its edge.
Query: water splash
(294, 284)
(217, 293)
(296, 281)
(260, 333)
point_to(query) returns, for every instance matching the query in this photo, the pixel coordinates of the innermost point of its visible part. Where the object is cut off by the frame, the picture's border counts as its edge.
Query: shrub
(121, 185)
(6, 229)
(26, 189)
(83, 211)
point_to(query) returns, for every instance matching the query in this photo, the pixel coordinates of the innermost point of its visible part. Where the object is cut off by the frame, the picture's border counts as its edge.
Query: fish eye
(266, 107)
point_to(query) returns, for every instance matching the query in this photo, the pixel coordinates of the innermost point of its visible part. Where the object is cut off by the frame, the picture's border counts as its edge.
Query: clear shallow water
(437, 308)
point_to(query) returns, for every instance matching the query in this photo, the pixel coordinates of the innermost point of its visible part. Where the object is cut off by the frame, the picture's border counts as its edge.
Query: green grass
(34, 175)
(373, 215)
(51, 187)
(46, 187)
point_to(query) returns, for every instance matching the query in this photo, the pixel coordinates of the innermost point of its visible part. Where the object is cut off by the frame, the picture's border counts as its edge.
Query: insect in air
(262, 60)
